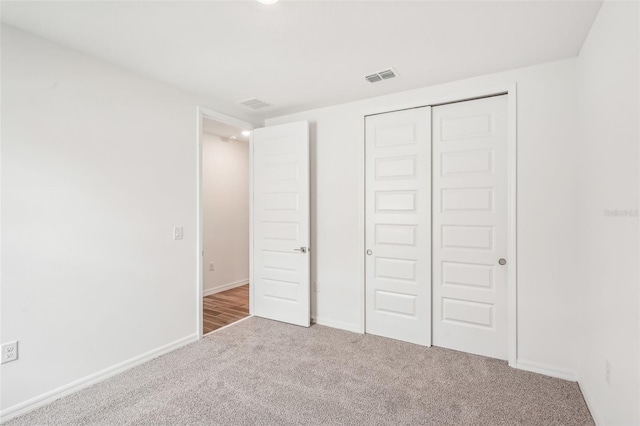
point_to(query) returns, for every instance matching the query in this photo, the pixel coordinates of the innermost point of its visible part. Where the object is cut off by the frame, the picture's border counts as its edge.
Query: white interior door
(398, 225)
(281, 223)
(470, 226)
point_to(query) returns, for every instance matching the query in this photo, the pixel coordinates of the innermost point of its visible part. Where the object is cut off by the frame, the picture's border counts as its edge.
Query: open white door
(281, 223)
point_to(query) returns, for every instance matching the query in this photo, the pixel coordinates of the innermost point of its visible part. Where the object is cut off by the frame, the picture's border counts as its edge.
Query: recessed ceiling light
(268, 1)
(246, 133)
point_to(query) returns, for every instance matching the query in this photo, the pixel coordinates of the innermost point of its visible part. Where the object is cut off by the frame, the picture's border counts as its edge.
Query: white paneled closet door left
(398, 225)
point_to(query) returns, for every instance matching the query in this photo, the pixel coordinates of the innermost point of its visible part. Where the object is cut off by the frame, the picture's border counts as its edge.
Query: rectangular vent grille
(373, 78)
(381, 75)
(254, 103)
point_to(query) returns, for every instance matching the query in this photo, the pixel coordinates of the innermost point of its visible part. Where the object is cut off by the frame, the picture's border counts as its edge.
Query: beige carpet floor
(261, 372)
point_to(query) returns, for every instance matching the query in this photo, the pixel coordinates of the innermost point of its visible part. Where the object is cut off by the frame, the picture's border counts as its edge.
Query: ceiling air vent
(254, 103)
(381, 75)
(373, 78)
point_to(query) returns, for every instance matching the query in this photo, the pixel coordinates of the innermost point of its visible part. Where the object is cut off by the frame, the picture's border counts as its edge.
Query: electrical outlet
(607, 371)
(212, 267)
(177, 233)
(9, 352)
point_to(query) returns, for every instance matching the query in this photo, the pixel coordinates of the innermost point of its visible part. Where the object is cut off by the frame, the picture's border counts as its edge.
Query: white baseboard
(225, 287)
(590, 403)
(547, 370)
(92, 379)
(354, 328)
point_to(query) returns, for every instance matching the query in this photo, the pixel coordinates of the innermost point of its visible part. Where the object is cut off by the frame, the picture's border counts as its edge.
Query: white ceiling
(307, 54)
(223, 130)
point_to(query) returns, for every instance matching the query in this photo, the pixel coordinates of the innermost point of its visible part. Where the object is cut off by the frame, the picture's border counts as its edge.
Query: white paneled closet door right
(469, 143)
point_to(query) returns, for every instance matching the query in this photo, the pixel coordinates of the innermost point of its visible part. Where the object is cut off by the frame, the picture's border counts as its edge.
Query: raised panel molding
(278, 146)
(279, 260)
(467, 274)
(395, 167)
(464, 162)
(287, 231)
(395, 269)
(396, 201)
(467, 237)
(469, 313)
(472, 126)
(283, 290)
(387, 136)
(396, 303)
(280, 172)
(467, 199)
(400, 235)
(280, 201)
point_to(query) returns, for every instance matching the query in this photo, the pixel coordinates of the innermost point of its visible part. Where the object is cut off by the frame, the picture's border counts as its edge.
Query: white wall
(95, 174)
(98, 166)
(225, 206)
(547, 206)
(609, 164)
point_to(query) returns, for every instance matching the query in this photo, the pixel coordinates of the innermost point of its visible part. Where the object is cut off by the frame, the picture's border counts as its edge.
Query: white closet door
(398, 225)
(470, 226)
(281, 223)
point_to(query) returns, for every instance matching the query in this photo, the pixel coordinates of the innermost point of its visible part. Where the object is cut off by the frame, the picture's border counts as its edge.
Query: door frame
(509, 89)
(201, 114)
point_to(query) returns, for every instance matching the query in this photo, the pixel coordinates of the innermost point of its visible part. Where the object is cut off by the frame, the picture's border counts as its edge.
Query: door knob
(301, 249)
(369, 252)
(502, 261)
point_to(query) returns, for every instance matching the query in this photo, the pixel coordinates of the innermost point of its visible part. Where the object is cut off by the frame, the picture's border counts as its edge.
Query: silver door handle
(369, 252)
(301, 249)
(502, 261)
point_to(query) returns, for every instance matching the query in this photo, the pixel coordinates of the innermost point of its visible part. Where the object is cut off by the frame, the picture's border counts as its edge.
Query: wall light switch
(212, 267)
(177, 233)
(9, 352)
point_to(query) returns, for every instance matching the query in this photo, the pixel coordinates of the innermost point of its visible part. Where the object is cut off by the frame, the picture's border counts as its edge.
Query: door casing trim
(201, 114)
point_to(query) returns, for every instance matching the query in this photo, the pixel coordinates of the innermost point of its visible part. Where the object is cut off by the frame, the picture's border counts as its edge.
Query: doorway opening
(224, 221)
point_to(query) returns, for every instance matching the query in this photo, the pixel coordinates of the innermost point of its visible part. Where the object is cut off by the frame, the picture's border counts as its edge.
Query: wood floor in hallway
(224, 308)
